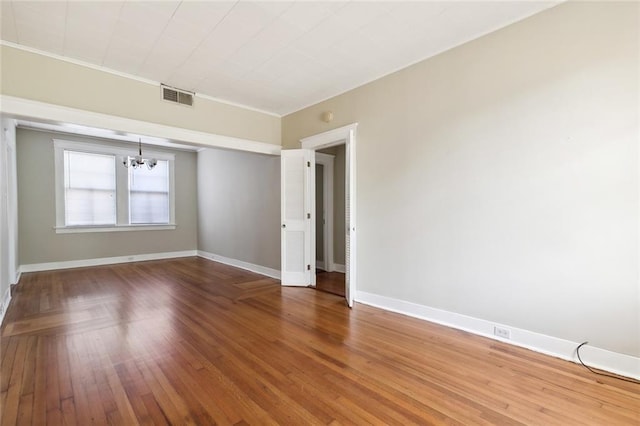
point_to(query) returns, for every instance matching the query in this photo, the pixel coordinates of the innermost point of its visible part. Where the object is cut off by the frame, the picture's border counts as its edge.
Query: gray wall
(499, 179)
(338, 204)
(320, 212)
(38, 240)
(239, 206)
(339, 158)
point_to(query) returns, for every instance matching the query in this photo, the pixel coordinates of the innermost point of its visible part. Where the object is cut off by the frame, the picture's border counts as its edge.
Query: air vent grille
(177, 96)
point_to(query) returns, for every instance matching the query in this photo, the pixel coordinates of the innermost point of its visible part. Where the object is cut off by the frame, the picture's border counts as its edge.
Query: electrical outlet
(504, 333)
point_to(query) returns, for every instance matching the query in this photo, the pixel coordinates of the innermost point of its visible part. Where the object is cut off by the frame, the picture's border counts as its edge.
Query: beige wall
(45, 79)
(38, 240)
(239, 206)
(500, 179)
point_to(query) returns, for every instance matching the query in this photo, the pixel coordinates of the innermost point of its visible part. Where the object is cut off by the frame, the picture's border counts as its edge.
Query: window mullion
(122, 193)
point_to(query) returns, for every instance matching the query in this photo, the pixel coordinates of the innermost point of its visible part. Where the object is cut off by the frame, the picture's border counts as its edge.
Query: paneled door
(297, 245)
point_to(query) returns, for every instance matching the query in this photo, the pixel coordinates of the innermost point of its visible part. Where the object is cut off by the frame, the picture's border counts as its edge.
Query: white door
(297, 245)
(350, 219)
(345, 134)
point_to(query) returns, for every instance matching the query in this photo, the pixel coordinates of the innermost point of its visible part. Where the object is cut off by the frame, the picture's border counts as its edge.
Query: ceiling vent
(177, 96)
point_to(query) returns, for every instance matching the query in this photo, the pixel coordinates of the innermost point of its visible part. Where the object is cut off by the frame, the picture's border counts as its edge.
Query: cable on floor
(599, 373)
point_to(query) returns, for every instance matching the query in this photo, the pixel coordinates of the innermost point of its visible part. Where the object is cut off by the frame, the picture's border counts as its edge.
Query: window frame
(122, 187)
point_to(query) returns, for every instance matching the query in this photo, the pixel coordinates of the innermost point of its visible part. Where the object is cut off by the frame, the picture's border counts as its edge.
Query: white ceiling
(273, 56)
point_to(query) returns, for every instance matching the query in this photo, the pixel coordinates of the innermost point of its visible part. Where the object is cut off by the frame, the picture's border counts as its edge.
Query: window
(89, 189)
(96, 193)
(149, 194)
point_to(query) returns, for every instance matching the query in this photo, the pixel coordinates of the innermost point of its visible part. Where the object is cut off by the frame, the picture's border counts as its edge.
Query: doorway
(330, 219)
(298, 202)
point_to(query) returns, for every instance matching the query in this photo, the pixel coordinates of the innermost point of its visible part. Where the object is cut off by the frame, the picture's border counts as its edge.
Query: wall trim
(622, 364)
(339, 267)
(329, 138)
(347, 135)
(27, 108)
(259, 269)
(36, 267)
(6, 298)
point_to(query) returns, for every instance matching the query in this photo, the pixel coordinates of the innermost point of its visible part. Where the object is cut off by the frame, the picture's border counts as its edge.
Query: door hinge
(308, 163)
(308, 215)
(308, 267)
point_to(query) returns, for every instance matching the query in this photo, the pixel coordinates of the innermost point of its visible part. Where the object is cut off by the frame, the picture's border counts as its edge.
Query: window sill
(110, 228)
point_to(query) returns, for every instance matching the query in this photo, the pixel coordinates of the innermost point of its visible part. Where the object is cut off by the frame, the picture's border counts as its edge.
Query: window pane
(149, 194)
(89, 189)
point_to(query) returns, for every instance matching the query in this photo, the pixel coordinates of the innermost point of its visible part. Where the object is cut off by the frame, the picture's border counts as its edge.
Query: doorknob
(284, 226)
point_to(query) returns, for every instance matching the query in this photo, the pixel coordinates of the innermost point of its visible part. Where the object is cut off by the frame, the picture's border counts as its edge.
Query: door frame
(342, 135)
(326, 160)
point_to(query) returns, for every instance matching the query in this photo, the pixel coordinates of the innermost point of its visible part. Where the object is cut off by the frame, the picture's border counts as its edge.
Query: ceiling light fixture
(138, 161)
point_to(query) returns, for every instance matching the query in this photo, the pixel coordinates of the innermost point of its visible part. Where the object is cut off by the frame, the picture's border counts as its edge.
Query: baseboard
(338, 267)
(625, 365)
(259, 269)
(320, 265)
(6, 298)
(35, 267)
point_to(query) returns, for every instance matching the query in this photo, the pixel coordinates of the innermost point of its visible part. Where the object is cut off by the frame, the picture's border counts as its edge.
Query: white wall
(239, 206)
(499, 180)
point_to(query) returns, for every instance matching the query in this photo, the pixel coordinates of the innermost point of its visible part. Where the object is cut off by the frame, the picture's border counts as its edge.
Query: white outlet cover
(505, 333)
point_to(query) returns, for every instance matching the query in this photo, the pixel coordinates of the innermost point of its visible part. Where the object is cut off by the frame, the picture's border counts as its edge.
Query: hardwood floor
(330, 282)
(190, 341)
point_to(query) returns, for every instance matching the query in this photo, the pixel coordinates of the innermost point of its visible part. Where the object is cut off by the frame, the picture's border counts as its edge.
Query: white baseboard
(35, 267)
(625, 365)
(338, 267)
(6, 298)
(259, 269)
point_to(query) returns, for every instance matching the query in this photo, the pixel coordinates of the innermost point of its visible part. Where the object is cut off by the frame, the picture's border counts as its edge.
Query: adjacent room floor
(330, 282)
(190, 341)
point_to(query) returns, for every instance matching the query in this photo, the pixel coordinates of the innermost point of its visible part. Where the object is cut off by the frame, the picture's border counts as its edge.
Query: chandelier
(138, 161)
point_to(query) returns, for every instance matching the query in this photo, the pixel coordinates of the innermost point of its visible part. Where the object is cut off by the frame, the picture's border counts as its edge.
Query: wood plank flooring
(190, 341)
(330, 282)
